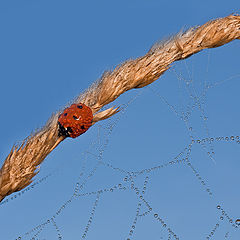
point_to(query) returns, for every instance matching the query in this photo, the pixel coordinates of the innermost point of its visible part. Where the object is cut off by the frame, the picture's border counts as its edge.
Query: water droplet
(237, 222)
(226, 138)
(218, 206)
(232, 137)
(155, 215)
(221, 217)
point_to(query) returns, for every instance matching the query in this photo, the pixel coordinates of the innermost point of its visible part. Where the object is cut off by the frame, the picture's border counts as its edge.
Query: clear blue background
(50, 51)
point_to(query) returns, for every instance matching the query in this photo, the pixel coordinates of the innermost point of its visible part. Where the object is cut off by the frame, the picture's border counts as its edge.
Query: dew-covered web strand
(91, 216)
(207, 67)
(56, 228)
(193, 95)
(34, 185)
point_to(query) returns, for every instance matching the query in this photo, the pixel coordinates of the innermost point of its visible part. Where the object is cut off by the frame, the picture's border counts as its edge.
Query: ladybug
(75, 120)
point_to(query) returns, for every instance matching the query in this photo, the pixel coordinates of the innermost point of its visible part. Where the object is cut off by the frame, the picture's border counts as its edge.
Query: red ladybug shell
(75, 120)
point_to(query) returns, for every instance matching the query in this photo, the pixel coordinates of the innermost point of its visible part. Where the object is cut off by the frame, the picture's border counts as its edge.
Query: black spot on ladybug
(69, 129)
(65, 114)
(75, 117)
(82, 127)
(79, 106)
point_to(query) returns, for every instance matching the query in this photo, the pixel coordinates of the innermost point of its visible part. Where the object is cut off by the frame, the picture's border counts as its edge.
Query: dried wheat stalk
(22, 163)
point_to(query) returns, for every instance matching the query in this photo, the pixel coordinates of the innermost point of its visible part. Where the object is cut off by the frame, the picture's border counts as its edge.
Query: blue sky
(50, 52)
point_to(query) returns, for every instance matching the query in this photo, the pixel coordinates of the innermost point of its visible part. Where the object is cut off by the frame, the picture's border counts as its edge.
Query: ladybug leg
(63, 131)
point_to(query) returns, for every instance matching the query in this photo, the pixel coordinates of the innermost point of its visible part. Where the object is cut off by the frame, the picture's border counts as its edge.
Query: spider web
(165, 167)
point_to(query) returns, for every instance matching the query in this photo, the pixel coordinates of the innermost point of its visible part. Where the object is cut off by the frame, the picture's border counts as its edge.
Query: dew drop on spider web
(237, 222)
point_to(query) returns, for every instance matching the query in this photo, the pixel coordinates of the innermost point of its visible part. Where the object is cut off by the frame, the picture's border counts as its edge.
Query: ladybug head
(75, 120)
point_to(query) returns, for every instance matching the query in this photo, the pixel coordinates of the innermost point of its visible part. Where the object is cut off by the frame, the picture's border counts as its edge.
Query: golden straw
(22, 164)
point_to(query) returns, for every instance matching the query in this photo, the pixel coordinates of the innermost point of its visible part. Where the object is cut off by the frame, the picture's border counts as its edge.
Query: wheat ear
(21, 165)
